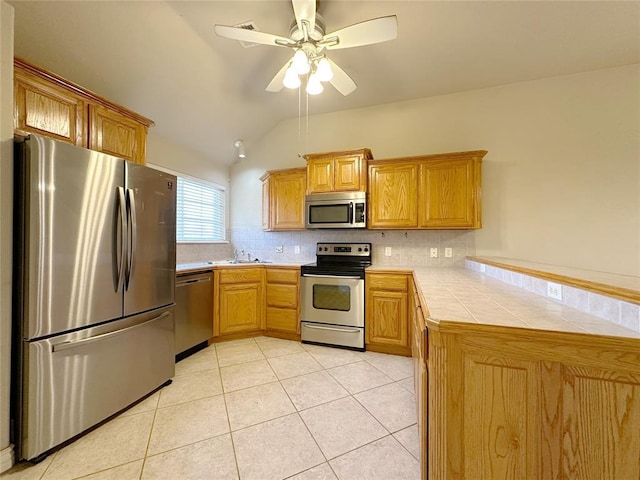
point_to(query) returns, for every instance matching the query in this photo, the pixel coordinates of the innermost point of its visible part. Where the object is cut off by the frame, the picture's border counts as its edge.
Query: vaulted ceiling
(163, 59)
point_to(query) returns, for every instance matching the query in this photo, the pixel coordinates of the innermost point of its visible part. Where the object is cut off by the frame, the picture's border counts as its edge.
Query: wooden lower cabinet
(238, 301)
(419, 353)
(387, 324)
(510, 403)
(282, 305)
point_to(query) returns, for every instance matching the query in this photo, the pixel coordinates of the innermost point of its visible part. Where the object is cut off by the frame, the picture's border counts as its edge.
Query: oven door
(332, 299)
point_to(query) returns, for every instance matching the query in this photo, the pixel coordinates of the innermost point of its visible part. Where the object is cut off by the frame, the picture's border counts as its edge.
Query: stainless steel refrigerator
(94, 279)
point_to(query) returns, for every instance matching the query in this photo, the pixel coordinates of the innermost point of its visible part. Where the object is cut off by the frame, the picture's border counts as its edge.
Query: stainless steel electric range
(332, 299)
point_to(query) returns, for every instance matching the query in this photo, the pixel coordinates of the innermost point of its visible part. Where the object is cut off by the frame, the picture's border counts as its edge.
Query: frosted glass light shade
(314, 87)
(324, 71)
(291, 79)
(301, 63)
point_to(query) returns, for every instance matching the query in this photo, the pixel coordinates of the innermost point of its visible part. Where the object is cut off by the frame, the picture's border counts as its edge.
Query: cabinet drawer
(282, 319)
(387, 281)
(282, 276)
(240, 275)
(282, 296)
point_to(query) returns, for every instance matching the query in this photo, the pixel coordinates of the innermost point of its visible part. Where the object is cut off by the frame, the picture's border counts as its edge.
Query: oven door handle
(331, 276)
(349, 330)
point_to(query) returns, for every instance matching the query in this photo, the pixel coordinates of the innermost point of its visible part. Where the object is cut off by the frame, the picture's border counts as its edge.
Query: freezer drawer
(76, 380)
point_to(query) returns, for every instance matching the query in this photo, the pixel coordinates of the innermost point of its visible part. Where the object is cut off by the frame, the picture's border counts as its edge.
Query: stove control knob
(366, 249)
(359, 249)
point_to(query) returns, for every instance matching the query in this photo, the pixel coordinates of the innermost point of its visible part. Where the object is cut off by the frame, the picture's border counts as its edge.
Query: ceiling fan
(309, 41)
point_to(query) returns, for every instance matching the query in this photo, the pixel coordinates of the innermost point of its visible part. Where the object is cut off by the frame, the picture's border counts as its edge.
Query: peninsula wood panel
(515, 403)
(47, 109)
(393, 201)
(500, 427)
(601, 419)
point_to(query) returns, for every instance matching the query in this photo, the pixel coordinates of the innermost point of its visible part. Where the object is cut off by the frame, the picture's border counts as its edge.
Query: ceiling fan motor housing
(316, 34)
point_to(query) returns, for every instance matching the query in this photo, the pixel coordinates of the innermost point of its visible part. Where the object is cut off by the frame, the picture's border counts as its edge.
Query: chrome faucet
(236, 254)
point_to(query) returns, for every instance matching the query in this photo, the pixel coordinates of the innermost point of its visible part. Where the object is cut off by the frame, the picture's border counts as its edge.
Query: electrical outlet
(434, 252)
(296, 249)
(448, 252)
(554, 290)
(280, 249)
(483, 268)
(387, 251)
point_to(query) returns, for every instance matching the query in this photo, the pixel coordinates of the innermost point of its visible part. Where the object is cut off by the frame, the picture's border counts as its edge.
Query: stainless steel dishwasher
(194, 310)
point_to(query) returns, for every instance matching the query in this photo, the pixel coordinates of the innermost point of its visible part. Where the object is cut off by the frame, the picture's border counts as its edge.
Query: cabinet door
(600, 424)
(393, 199)
(320, 175)
(447, 194)
(347, 173)
(387, 322)
(117, 135)
(49, 109)
(501, 427)
(286, 202)
(240, 307)
(266, 220)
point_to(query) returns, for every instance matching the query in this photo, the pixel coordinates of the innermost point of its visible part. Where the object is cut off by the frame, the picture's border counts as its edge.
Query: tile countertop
(459, 295)
(184, 268)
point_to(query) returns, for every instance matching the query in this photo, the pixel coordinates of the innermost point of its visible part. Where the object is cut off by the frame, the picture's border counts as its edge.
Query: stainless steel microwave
(336, 210)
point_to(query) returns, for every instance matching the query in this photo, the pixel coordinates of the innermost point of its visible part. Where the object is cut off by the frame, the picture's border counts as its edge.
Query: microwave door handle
(351, 219)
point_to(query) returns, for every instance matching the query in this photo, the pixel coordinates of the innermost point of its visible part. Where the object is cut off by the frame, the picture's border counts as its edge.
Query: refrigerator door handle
(120, 259)
(132, 235)
(59, 347)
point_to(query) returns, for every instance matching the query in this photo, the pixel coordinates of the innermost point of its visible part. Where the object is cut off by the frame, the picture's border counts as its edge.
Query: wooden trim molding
(621, 293)
(88, 94)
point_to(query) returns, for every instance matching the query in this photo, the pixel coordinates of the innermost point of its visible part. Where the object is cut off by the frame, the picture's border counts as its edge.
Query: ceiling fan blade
(276, 83)
(376, 30)
(341, 81)
(305, 10)
(244, 35)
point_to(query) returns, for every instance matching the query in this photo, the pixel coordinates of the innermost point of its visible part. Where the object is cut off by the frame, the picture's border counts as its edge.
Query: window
(200, 211)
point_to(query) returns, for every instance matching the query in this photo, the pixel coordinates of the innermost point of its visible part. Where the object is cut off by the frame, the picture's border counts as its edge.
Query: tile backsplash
(408, 248)
(607, 308)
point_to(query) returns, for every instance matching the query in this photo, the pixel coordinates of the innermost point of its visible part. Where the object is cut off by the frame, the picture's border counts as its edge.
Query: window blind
(200, 212)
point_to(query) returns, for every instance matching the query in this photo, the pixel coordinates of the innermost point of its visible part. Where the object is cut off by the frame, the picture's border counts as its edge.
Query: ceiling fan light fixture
(291, 78)
(323, 71)
(314, 86)
(300, 62)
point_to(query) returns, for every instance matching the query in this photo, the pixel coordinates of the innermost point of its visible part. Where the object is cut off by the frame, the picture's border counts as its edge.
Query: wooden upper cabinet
(449, 193)
(117, 135)
(393, 189)
(440, 191)
(48, 109)
(50, 105)
(283, 199)
(337, 171)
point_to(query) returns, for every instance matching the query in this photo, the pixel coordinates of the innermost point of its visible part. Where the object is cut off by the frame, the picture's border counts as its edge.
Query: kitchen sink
(236, 262)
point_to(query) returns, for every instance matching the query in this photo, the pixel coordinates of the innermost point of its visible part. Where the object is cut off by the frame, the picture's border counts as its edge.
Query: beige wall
(561, 181)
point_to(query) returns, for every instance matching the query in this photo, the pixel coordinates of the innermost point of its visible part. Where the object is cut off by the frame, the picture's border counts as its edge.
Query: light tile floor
(257, 409)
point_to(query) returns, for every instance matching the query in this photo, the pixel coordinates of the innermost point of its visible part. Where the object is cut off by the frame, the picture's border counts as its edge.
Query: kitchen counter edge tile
(456, 297)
